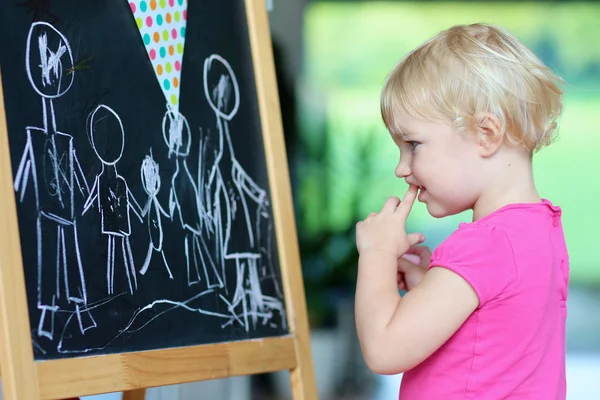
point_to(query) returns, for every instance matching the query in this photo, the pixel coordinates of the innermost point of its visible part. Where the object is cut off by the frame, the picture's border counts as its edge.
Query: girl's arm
(397, 333)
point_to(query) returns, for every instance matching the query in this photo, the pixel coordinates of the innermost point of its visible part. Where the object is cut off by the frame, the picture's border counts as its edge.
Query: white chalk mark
(51, 60)
(61, 236)
(147, 260)
(230, 307)
(93, 196)
(182, 304)
(82, 183)
(110, 265)
(82, 289)
(219, 97)
(84, 325)
(128, 328)
(126, 262)
(27, 172)
(58, 246)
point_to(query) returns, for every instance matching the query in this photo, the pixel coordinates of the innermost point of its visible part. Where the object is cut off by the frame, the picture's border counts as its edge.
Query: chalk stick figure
(185, 202)
(240, 205)
(50, 164)
(111, 193)
(151, 183)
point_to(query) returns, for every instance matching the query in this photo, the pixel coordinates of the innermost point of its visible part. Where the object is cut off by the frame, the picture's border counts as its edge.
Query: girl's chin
(440, 212)
(436, 211)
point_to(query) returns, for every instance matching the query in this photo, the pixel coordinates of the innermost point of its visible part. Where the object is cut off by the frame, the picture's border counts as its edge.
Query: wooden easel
(26, 379)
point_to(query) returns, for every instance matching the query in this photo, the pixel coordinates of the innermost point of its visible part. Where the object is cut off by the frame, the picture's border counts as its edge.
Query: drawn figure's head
(106, 134)
(150, 175)
(176, 133)
(221, 87)
(48, 60)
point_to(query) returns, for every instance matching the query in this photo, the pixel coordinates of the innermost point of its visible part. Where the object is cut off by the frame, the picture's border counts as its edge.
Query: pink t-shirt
(513, 345)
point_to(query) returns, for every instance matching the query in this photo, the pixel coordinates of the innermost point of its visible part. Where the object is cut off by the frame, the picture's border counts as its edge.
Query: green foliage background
(346, 167)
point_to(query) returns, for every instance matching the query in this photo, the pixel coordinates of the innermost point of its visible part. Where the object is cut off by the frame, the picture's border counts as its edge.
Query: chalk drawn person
(111, 193)
(240, 204)
(185, 202)
(151, 183)
(49, 163)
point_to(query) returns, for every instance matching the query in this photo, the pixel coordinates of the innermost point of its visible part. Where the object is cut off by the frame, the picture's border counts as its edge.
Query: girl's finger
(415, 238)
(390, 204)
(407, 201)
(421, 251)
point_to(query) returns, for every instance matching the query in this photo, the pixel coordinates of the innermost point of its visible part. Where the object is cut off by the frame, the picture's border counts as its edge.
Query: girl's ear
(489, 134)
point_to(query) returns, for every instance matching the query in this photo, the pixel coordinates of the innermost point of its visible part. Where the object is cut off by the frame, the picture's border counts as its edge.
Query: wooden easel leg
(139, 394)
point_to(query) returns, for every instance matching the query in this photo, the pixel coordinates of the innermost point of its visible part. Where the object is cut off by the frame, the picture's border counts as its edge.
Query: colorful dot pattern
(162, 27)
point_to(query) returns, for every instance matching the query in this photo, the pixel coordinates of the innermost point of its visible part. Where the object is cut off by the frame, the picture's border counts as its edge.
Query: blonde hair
(472, 69)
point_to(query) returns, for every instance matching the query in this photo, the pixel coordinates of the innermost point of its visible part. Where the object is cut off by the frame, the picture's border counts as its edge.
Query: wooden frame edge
(19, 378)
(302, 377)
(71, 377)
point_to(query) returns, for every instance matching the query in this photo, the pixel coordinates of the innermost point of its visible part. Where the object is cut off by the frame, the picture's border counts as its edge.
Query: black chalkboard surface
(139, 175)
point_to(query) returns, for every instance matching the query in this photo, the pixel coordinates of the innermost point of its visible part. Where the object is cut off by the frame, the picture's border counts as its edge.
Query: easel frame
(26, 379)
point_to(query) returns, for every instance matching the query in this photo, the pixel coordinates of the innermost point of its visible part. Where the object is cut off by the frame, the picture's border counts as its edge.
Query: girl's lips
(422, 192)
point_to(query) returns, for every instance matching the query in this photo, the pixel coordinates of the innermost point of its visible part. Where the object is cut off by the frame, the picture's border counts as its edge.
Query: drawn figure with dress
(154, 212)
(112, 195)
(49, 165)
(240, 206)
(185, 202)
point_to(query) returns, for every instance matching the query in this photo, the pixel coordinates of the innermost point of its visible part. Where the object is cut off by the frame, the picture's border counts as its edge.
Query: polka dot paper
(162, 27)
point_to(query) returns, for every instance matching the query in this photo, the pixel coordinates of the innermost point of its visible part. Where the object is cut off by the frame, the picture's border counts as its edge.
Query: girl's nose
(403, 170)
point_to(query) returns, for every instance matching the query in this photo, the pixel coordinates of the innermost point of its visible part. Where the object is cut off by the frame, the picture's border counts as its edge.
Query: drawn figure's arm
(91, 197)
(162, 210)
(24, 170)
(80, 178)
(172, 202)
(135, 206)
(245, 182)
(147, 205)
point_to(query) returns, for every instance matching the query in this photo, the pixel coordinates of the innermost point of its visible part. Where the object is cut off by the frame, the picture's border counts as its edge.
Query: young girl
(484, 315)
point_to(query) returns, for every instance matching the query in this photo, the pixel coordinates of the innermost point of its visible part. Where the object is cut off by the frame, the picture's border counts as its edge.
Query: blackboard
(139, 175)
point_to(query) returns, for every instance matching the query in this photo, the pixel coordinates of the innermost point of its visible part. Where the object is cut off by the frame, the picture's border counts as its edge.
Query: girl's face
(444, 164)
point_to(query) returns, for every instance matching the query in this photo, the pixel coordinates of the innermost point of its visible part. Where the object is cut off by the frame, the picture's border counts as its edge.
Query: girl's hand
(422, 253)
(386, 231)
(412, 267)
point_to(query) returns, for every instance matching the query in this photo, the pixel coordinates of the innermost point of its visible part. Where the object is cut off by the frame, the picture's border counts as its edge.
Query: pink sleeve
(480, 254)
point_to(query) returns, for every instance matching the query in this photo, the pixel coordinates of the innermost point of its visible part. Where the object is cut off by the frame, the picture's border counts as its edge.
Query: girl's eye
(413, 145)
